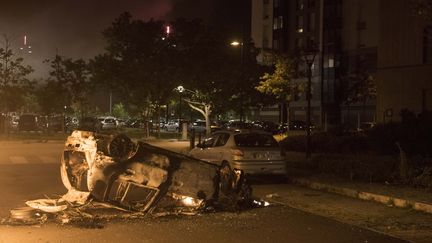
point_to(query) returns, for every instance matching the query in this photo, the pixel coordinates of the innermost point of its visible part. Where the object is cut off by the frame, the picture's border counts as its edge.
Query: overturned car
(136, 176)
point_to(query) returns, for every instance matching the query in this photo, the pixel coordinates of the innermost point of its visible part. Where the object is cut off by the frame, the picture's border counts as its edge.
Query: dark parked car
(295, 125)
(56, 123)
(135, 123)
(199, 126)
(266, 126)
(90, 124)
(238, 126)
(28, 122)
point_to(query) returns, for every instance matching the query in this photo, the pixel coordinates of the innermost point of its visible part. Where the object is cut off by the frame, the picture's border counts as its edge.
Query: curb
(387, 200)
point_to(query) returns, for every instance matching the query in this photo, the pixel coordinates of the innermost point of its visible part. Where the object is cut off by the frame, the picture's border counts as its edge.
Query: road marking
(18, 160)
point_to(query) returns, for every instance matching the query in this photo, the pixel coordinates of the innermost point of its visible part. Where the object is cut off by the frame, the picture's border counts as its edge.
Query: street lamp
(180, 89)
(309, 59)
(236, 44)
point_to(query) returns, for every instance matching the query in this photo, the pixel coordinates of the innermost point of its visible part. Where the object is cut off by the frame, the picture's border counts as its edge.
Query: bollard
(199, 138)
(184, 129)
(192, 139)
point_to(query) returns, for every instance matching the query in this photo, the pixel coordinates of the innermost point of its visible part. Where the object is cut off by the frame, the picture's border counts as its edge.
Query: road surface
(35, 176)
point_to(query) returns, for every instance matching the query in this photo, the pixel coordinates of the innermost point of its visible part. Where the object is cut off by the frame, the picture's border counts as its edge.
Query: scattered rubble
(109, 175)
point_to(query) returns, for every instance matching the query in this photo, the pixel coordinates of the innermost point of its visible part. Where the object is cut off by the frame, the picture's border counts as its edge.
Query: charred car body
(140, 177)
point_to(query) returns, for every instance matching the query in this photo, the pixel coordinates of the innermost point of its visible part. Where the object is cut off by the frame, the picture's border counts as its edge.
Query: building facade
(360, 46)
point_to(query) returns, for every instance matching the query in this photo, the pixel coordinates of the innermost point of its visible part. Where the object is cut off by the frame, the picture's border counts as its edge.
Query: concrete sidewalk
(391, 195)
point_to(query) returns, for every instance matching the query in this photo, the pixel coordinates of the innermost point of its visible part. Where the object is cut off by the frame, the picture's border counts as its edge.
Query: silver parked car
(172, 126)
(254, 152)
(108, 122)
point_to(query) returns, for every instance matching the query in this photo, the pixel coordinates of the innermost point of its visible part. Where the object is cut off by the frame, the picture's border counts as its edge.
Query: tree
(145, 64)
(137, 64)
(120, 111)
(359, 87)
(200, 103)
(14, 81)
(281, 84)
(70, 82)
(362, 88)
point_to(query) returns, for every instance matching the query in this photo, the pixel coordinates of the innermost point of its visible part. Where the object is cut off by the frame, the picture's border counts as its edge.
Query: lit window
(278, 22)
(330, 62)
(300, 24)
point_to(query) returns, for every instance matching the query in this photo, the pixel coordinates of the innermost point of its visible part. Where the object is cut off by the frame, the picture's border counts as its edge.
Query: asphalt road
(34, 177)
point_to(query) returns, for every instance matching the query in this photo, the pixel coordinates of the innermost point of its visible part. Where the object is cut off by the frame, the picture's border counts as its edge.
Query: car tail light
(237, 152)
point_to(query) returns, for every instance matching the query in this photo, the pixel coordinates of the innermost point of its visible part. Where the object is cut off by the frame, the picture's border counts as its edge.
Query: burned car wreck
(136, 176)
(109, 176)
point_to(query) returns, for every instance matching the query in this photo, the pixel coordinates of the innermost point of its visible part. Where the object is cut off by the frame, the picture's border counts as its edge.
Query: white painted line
(18, 160)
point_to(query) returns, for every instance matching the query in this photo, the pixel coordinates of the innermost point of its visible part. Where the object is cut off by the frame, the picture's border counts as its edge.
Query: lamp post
(309, 59)
(180, 89)
(240, 44)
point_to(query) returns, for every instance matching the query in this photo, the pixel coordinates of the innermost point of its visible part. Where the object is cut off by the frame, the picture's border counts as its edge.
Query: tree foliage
(14, 81)
(144, 64)
(362, 87)
(281, 83)
(120, 111)
(69, 84)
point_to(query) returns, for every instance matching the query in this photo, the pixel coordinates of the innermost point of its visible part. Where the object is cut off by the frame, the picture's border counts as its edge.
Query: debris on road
(110, 173)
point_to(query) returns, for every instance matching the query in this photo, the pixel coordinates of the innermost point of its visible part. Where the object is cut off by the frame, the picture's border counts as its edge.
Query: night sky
(73, 27)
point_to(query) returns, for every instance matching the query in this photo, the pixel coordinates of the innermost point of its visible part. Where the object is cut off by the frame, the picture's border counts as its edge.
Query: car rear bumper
(260, 167)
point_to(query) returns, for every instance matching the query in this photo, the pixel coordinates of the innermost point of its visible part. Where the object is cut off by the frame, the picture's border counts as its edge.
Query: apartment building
(382, 40)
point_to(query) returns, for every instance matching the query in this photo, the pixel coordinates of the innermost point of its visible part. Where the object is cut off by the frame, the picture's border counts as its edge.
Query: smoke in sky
(73, 28)
(69, 28)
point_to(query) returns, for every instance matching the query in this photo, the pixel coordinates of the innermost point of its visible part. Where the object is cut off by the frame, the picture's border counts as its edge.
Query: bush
(327, 143)
(374, 154)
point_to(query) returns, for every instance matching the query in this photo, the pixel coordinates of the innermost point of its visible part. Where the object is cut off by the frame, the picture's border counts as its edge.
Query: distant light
(25, 40)
(235, 43)
(168, 29)
(300, 30)
(180, 89)
(29, 52)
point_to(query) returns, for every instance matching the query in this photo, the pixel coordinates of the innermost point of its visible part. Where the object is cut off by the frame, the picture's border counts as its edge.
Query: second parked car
(108, 122)
(253, 152)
